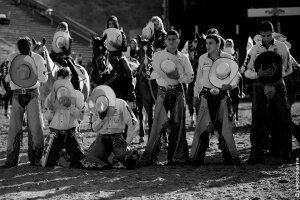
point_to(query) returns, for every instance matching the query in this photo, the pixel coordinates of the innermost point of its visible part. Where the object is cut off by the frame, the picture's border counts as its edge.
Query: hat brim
(62, 83)
(160, 57)
(103, 90)
(16, 63)
(58, 36)
(113, 31)
(264, 60)
(215, 81)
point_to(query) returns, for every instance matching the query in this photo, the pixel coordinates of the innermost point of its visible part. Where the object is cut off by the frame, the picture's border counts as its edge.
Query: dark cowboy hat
(223, 72)
(60, 39)
(23, 71)
(269, 60)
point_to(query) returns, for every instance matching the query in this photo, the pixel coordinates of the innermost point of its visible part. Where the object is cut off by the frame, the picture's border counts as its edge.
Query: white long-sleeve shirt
(116, 122)
(186, 72)
(64, 119)
(276, 46)
(40, 70)
(204, 65)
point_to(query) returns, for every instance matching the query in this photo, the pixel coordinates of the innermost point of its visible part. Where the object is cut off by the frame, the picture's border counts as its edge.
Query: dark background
(224, 15)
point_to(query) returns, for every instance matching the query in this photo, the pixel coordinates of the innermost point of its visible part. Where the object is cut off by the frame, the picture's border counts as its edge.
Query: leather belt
(62, 131)
(25, 91)
(169, 87)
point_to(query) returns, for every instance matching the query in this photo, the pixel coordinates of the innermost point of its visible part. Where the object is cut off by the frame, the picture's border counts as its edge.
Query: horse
(53, 67)
(106, 70)
(146, 89)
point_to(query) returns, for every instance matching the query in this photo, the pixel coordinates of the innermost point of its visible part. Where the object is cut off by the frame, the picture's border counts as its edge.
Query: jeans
(20, 102)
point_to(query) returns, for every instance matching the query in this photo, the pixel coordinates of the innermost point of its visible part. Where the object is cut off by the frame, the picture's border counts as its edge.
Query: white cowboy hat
(102, 97)
(60, 39)
(148, 31)
(167, 66)
(165, 62)
(257, 39)
(23, 71)
(113, 35)
(222, 72)
(62, 87)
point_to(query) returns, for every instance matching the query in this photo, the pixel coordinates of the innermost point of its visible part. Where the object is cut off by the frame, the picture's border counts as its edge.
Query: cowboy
(110, 115)
(117, 45)
(268, 62)
(26, 72)
(64, 108)
(61, 52)
(171, 70)
(217, 74)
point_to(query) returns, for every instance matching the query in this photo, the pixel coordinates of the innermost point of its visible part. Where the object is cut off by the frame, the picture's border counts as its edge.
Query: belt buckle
(23, 91)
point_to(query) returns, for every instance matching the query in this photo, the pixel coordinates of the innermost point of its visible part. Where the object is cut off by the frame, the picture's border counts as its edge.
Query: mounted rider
(61, 52)
(116, 51)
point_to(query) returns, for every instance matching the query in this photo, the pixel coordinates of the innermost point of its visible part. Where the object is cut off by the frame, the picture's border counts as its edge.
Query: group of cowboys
(217, 74)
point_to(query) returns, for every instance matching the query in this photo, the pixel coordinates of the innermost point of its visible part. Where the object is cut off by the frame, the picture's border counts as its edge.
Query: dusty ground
(211, 181)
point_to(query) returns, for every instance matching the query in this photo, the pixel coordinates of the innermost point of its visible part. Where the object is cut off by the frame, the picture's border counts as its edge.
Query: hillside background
(133, 15)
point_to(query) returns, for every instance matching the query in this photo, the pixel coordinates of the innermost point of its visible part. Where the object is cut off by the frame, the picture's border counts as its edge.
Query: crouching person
(64, 107)
(110, 115)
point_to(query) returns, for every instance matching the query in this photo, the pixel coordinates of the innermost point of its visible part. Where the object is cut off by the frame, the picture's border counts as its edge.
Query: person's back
(26, 72)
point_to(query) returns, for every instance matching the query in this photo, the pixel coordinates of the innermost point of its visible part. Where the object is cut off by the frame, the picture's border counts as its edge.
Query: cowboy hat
(23, 71)
(102, 98)
(223, 72)
(60, 39)
(62, 87)
(266, 60)
(113, 35)
(165, 62)
(167, 66)
(148, 31)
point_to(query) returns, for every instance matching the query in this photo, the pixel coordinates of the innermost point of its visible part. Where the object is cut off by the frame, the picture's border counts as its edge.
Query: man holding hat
(171, 70)
(26, 72)
(64, 108)
(217, 74)
(268, 62)
(110, 115)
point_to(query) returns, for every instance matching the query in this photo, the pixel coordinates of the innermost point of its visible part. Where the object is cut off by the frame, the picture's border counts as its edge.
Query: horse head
(39, 47)
(52, 68)
(100, 55)
(145, 48)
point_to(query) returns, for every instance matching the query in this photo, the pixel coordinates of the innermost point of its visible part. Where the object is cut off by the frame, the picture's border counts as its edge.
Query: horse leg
(140, 115)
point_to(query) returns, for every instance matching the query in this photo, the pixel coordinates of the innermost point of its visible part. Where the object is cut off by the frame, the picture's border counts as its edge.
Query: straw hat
(23, 71)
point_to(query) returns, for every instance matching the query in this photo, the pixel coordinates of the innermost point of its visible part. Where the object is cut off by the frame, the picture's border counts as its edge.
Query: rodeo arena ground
(140, 115)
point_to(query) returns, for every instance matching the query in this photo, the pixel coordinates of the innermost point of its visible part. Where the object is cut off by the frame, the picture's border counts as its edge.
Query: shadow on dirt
(132, 183)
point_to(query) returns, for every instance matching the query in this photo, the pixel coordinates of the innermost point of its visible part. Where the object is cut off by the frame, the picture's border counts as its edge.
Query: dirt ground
(214, 180)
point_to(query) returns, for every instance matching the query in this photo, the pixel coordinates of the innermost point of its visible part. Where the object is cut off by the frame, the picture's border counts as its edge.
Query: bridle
(103, 59)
